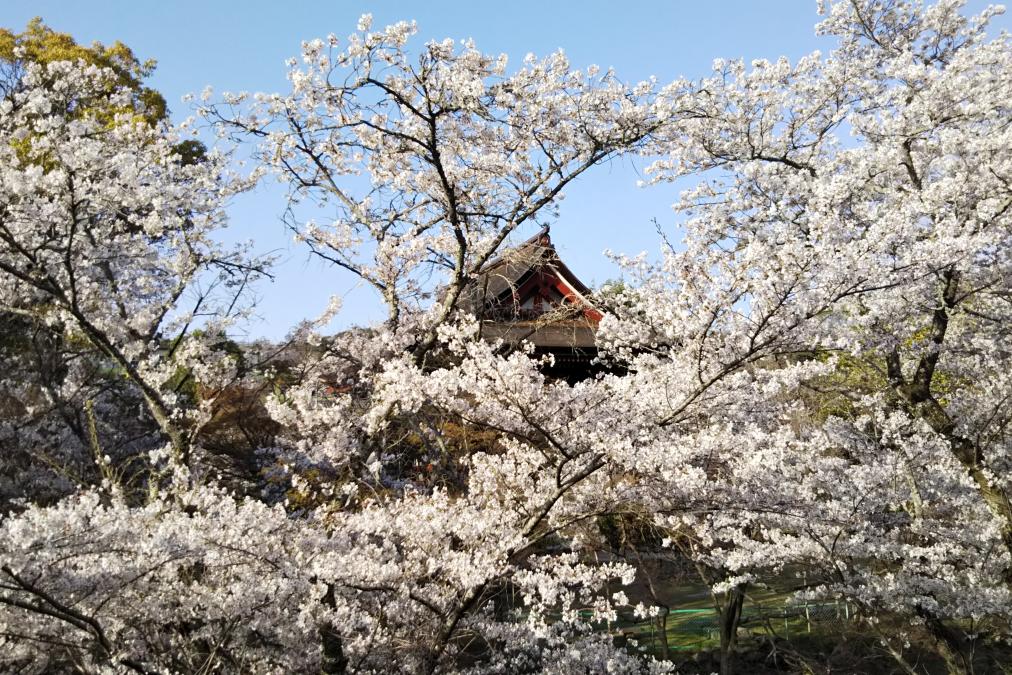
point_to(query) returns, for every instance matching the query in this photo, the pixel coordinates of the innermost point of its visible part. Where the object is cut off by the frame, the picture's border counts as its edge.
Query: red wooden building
(529, 294)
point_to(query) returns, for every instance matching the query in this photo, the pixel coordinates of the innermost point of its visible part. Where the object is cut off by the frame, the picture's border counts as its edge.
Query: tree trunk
(896, 654)
(948, 645)
(662, 624)
(334, 661)
(730, 615)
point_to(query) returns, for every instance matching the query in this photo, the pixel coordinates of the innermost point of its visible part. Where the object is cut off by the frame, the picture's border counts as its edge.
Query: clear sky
(242, 46)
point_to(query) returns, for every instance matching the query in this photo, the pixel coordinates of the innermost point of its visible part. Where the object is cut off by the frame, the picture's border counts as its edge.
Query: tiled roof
(528, 293)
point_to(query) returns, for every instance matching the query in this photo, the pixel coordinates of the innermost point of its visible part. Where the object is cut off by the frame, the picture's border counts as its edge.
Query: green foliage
(39, 43)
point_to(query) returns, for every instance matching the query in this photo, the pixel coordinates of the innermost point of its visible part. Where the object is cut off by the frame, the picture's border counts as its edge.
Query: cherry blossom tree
(816, 380)
(59, 395)
(106, 232)
(424, 166)
(105, 239)
(830, 344)
(378, 569)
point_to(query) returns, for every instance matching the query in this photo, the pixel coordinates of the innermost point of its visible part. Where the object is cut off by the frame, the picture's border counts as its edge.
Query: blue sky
(241, 46)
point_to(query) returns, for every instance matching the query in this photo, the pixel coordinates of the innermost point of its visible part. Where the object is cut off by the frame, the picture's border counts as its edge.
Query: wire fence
(696, 629)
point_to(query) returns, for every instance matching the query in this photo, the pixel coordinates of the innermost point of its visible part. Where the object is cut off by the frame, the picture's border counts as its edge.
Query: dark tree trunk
(730, 615)
(949, 645)
(334, 661)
